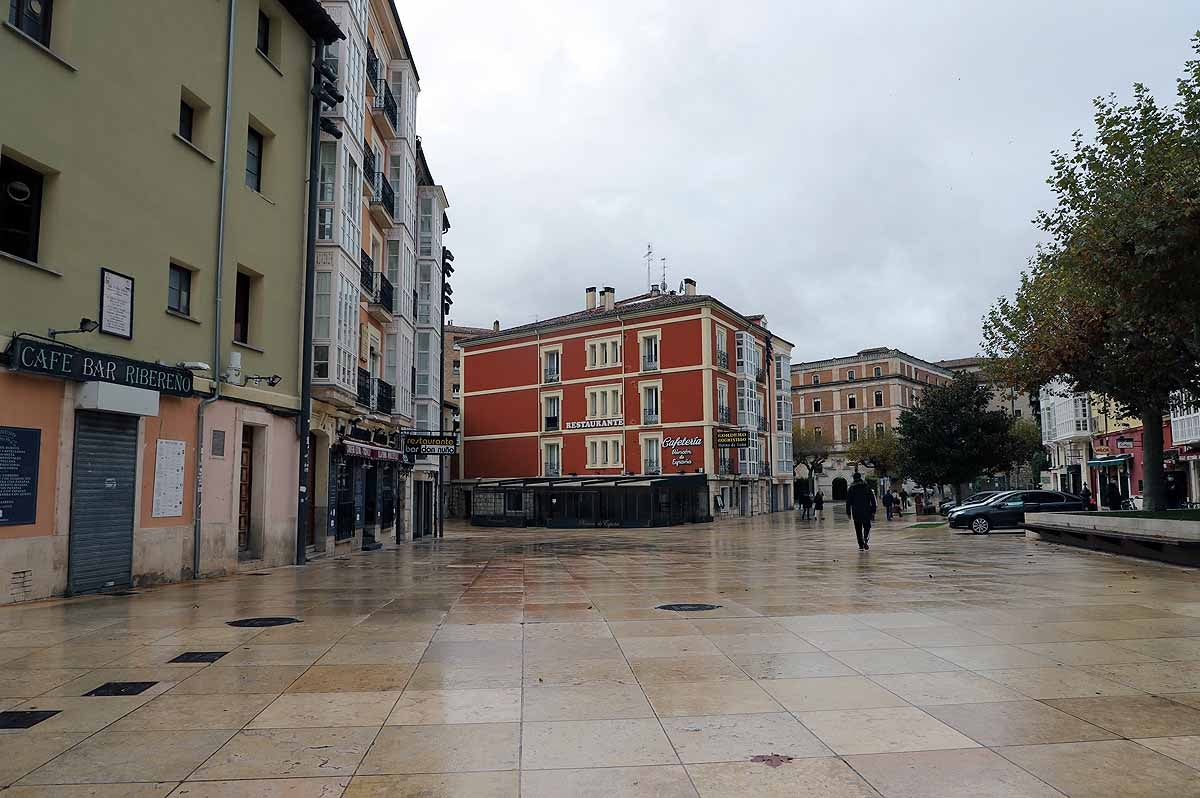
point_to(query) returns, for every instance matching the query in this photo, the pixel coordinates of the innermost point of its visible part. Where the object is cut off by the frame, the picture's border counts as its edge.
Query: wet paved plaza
(509, 662)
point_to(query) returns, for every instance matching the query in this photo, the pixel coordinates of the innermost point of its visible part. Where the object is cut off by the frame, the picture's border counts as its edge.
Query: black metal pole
(310, 272)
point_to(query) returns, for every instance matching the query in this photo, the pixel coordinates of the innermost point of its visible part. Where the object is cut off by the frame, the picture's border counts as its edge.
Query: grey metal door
(103, 487)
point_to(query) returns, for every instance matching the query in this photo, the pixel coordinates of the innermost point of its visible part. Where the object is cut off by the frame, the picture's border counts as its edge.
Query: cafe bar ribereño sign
(54, 360)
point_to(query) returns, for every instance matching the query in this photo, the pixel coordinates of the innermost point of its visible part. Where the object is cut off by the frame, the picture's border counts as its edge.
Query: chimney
(496, 325)
(689, 286)
(610, 297)
(654, 290)
(589, 295)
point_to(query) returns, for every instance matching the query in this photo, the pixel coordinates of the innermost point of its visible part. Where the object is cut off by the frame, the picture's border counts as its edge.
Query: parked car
(1008, 509)
(975, 498)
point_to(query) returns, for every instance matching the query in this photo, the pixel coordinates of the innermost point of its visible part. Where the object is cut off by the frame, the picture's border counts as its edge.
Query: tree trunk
(1154, 495)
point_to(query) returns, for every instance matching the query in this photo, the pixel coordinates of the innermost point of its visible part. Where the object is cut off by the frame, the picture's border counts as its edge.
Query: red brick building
(609, 414)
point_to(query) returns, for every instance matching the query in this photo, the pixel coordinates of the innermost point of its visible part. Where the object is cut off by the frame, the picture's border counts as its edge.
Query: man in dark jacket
(860, 506)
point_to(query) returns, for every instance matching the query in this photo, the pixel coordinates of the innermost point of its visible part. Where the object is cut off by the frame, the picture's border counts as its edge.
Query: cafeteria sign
(81, 365)
(682, 449)
(430, 444)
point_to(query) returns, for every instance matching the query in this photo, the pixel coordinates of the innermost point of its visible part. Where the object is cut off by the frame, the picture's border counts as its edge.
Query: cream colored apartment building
(153, 169)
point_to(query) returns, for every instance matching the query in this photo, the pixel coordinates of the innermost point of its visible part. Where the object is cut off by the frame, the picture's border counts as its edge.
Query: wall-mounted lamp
(258, 379)
(86, 325)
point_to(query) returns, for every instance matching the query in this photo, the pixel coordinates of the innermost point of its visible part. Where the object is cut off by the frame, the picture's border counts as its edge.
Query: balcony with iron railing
(725, 467)
(723, 415)
(723, 360)
(651, 417)
(372, 69)
(651, 467)
(649, 362)
(383, 200)
(366, 273)
(379, 301)
(551, 374)
(383, 106)
(385, 397)
(551, 423)
(364, 388)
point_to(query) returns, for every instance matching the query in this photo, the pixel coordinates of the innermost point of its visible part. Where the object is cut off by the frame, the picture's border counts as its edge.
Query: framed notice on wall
(20, 449)
(116, 304)
(168, 479)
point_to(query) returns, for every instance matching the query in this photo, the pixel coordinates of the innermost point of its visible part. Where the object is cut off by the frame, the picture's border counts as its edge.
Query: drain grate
(200, 656)
(122, 593)
(258, 573)
(259, 622)
(25, 718)
(121, 688)
(689, 607)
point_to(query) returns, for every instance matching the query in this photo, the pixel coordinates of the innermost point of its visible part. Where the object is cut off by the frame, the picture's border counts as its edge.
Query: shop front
(1117, 459)
(576, 503)
(97, 467)
(368, 480)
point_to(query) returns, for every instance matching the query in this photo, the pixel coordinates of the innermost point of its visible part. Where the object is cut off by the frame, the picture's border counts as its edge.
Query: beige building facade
(153, 167)
(845, 398)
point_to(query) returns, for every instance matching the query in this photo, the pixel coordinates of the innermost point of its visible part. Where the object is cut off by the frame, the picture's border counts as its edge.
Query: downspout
(441, 499)
(216, 356)
(304, 422)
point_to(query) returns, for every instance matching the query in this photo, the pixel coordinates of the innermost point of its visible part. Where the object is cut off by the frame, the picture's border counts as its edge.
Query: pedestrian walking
(887, 504)
(897, 504)
(804, 503)
(904, 498)
(1086, 495)
(819, 505)
(861, 507)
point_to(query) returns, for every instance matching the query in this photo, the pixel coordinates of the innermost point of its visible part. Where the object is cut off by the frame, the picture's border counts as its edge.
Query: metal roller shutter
(103, 490)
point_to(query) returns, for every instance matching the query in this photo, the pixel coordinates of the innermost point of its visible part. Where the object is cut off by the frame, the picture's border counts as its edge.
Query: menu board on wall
(20, 451)
(168, 479)
(116, 304)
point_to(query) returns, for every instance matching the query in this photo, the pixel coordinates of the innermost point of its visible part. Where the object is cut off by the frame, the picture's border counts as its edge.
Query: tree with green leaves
(809, 449)
(877, 450)
(1110, 302)
(950, 437)
(1025, 447)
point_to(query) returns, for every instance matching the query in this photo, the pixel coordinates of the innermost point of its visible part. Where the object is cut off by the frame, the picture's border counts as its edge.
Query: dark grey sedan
(1008, 509)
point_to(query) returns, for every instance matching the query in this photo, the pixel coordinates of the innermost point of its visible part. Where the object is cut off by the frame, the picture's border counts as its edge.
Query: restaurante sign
(81, 365)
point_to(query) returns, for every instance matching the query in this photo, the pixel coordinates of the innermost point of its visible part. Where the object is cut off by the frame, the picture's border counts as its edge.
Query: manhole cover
(25, 719)
(689, 607)
(121, 688)
(256, 622)
(199, 656)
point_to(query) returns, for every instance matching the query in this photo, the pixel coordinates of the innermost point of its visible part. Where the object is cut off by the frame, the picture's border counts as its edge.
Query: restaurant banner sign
(55, 360)
(430, 444)
(732, 438)
(595, 423)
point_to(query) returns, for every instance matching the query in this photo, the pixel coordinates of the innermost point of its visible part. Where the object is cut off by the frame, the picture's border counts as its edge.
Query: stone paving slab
(500, 663)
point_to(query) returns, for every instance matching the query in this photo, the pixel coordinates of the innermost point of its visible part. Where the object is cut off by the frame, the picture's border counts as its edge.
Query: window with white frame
(405, 376)
(347, 337)
(604, 402)
(425, 241)
(879, 398)
(408, 268)
(850, 375)
(652, 455)
(424, 292)
(748, 457)
(400, 95)
(722, 401)
(879, 428)
(325, 192)
(389, 358)
(783, 394)
(424, 359)
(651, 409)
(749, 354)
(649, 344)
(351, 209)
(552, 459)
(722, 347)
(604, 353)
(551, 412)
(396, 176)
(851, 402)
(392, 248)
(354, 89)
(604, 452)
(322, 319)
(816, 379)
(747, 399)
(816, 405)
(551, 365)
(783, 454)
(878, 371)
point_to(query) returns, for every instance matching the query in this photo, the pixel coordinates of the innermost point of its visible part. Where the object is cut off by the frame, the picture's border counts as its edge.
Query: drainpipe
(441, 521)
(304, 421)
(216, 356)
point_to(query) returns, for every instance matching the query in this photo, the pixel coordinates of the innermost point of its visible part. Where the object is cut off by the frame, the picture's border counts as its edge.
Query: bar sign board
(430, 444)
(732, 438)
(20, 453)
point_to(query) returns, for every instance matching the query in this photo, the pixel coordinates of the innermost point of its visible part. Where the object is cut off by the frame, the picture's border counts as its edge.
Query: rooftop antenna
(662, 286)
(649, 256)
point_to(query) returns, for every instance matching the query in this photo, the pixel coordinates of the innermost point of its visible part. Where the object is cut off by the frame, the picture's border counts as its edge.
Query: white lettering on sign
(595, 423)
(682, 452)
(669, 443)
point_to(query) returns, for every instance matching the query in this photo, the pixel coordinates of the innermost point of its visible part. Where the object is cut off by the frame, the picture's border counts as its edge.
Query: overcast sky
(864, 173)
